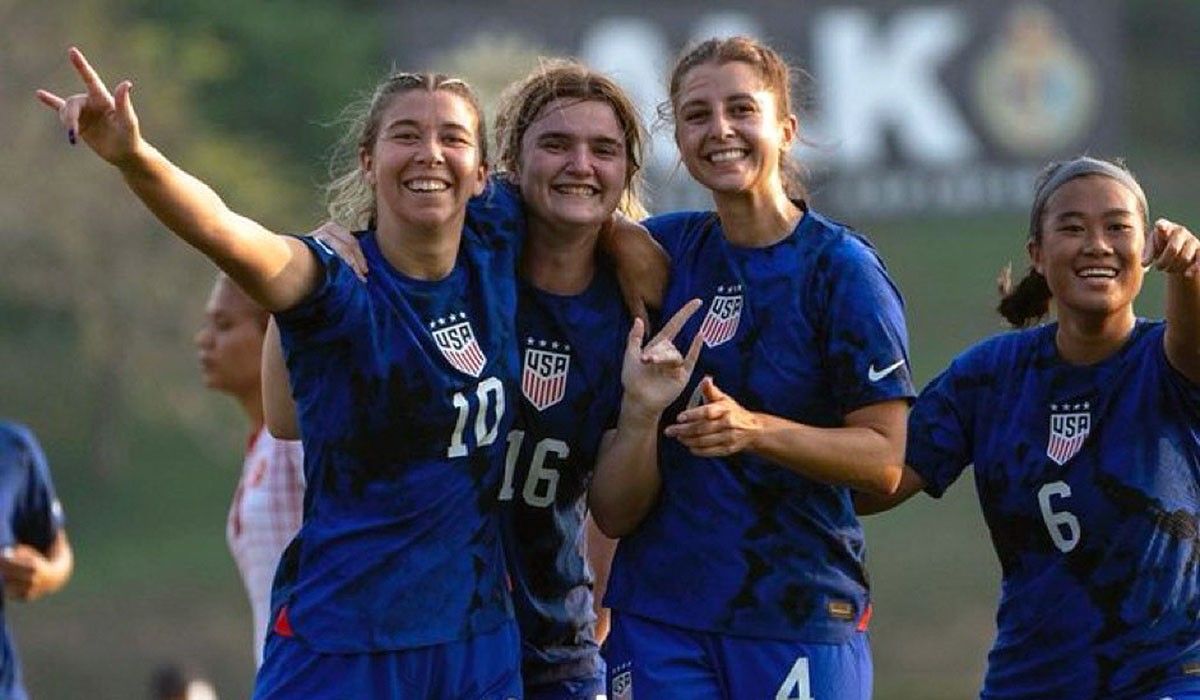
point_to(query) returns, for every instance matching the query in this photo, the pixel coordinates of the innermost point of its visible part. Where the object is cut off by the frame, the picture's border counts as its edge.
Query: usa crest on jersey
(721, 322)
(456, 341)
(1070, 424)
(622, 685)
(544, 372)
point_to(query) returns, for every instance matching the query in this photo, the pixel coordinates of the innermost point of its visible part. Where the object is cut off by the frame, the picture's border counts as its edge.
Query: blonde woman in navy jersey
(395, 585)
(569, 151)
(1084, 434)
(740, 570)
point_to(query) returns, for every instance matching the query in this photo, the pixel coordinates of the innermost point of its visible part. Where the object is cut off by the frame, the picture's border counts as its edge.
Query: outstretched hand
(105, 121)
(1173, 249)
(717, 428)
(653, 376)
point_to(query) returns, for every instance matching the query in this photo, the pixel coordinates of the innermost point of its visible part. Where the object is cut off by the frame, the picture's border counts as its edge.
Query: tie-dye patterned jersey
(571, 353)
(405, 392)
(1089, 480)
(809, 329)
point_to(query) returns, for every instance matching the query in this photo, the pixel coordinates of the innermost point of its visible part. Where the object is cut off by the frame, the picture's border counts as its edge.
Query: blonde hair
(349, 197)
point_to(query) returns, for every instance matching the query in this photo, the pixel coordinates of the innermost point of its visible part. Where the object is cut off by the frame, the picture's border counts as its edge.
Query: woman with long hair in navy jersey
(569, 148)
(740, 570)
(1084, 434)
(395, 585)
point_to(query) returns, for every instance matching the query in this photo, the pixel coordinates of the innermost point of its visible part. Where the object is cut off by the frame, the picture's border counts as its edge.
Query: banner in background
(911, 107)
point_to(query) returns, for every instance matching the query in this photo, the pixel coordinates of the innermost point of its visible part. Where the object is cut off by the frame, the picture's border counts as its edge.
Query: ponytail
(1026, 304)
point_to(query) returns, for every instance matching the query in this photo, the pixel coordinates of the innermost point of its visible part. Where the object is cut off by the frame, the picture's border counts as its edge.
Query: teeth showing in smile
(1097, 272)
(426, 185)
(727, 155)
(576, 190)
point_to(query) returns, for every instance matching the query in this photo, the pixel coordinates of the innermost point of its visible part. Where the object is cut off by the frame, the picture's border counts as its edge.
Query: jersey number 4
(796, 686)
(489, 411)
(1062, 525)
(541, 484)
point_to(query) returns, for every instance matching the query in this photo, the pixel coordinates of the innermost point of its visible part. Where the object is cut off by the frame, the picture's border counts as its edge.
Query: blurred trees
(237, 110)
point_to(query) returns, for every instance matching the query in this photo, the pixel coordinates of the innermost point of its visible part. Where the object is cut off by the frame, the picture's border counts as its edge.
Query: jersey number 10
(489, 397)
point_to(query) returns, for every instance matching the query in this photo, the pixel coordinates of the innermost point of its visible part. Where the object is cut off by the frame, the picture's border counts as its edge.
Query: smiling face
(573, 166)
(729, 129)
(1090, 247)
(426, 161)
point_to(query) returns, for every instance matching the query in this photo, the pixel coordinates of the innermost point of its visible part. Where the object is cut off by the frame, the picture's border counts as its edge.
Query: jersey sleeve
(499, 213)
(37, 513)
(864, 334)
(669, 230)
(940, 441)
(323, 315)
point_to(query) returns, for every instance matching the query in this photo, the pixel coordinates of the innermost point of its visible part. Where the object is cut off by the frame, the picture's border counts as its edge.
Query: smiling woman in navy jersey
(569, 151)
(1085, 438)
(740, 570)
(570, 141)
(395, 585)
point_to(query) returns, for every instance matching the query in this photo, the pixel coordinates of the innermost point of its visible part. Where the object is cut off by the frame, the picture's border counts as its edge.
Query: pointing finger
(671, 328)
(49, 99)
(693, 353)
(91, 79)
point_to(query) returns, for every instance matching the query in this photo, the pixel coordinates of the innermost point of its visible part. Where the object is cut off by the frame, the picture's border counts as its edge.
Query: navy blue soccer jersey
(571, 352)
(29, 514)
(1089, 480)
(405, 391)
(808, 329)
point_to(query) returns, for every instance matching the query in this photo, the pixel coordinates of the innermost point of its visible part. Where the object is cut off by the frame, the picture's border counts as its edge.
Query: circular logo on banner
(1036, 92)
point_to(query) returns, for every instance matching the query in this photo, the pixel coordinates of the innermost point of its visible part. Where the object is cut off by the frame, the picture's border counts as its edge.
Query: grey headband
(1061, 173)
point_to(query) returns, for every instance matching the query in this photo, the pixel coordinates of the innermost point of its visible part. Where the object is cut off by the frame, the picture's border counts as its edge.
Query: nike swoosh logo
(875, 375)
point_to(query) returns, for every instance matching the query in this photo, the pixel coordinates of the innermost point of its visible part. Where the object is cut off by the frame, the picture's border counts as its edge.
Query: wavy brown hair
(565, 79)
(777, 76)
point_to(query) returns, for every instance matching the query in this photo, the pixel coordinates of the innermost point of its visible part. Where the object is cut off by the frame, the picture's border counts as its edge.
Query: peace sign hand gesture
(104, 120)
(653, 376)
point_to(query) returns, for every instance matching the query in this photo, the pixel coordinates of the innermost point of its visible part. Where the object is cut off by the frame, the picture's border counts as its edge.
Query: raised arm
(627, 482)
(1176, 252)
(276, 271)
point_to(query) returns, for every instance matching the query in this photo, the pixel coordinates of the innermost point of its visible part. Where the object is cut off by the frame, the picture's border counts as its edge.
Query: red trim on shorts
(865, 619)
(283, 628)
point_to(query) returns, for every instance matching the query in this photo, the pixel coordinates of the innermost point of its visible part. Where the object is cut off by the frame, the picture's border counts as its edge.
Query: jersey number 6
(1063, 526)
